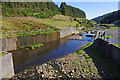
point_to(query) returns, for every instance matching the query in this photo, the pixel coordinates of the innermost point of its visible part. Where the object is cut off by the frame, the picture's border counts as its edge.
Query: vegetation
(108, 36)
(112, 17)
(86, 62)
(96, 56)
(85, 22)
(71, 11)
(39, 9)
(80, 51)
(117, 28)
(33, 46)
(2, 54)
(57, 22)
(118, 45)
(99, 18)
(108, 18)
(28, 8)
(24, 27)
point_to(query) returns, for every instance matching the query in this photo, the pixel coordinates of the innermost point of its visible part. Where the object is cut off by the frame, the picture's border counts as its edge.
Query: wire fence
(23, 32)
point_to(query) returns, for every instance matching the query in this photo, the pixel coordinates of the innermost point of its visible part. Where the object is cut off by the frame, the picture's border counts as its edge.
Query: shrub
(42, 15)
(77, 25)
(25, 14)
(7, 14)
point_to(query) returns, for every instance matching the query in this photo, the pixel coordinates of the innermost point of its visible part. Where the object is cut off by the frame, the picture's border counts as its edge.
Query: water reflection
(25, 58)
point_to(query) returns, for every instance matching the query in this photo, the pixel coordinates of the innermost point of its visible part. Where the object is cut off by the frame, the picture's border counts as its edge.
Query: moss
(108, 36)
(32, 46)
(118, 45)
(113, 28)
(86, 55)
(2, 54)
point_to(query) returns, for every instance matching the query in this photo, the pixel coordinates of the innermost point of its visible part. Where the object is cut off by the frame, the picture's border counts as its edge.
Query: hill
(99, 18)
(112, 17)
(108, 18)
(71, 11)
(29, 9)
(39, 9)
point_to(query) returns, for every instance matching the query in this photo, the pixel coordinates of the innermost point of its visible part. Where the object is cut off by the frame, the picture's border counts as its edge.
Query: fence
(10, 33)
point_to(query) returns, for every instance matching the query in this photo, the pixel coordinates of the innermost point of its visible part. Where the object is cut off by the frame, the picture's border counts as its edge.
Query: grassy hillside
(108, 18)
(44, 9)
(99, 18)
(112, 17)
(29, 23)
(38, 9)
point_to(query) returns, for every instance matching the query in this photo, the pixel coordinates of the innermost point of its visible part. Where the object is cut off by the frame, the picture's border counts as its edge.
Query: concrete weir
(6, 66)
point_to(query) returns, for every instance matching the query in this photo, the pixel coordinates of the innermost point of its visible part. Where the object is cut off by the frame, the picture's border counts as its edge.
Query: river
(25, 58)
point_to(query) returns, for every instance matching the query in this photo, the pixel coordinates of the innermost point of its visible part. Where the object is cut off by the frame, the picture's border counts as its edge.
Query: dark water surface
(26, 58)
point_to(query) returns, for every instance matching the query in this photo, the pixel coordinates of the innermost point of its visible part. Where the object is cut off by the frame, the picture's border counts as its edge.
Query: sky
(94, 9)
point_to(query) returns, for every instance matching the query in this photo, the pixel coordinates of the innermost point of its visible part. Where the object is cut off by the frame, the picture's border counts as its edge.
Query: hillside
(108, 18)
(39, 9)
(45, 9)
(71, 11)
(112, 17)
(99, 18)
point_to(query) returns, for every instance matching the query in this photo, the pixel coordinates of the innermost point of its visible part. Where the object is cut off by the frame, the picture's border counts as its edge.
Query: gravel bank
(71, 66)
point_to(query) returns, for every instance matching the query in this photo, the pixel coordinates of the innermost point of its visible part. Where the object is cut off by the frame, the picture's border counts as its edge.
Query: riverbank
(86, 63)
(71, 66)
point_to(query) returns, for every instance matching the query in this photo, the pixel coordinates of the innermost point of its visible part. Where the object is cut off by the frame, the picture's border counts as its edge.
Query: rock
(75, 69)
(45, 64)
(60, 76)
(50, 76)
(56, 70)
(43, 75)
(72, 71)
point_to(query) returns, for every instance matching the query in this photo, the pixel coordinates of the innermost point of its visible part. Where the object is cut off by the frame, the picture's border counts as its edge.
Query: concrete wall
(7, 68)
(12, 43)
(70, 31)
(111, 51)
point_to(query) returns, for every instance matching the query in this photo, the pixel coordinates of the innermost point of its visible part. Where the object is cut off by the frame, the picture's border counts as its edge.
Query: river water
(24, 58)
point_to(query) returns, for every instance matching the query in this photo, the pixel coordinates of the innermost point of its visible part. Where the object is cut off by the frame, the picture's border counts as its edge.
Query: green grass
(89, 44)
(82, 49)
(33, 46)
(99, 59)
(108, 36)
(113, 28)
(57, 23)
(31, 33)
(2, 54)
(118, 45)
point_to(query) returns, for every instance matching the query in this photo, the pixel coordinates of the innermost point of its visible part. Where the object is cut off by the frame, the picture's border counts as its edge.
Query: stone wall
(110, 50)
(12, 43)
(7, 68)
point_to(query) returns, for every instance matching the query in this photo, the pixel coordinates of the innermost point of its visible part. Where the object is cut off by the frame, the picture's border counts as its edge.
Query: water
(90, 39)
(26, 58)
